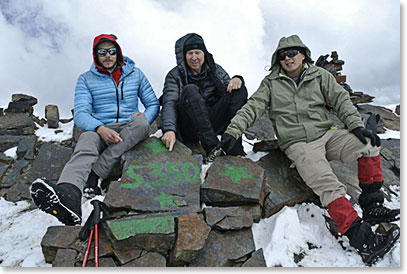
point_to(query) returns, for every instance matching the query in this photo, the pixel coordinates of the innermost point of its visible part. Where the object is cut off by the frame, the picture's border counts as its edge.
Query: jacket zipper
(123, 83)
(117, 94)
(117, 100)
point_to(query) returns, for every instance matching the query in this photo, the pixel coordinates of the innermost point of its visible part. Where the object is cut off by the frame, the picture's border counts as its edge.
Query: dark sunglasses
(102, 52)
(290, 53)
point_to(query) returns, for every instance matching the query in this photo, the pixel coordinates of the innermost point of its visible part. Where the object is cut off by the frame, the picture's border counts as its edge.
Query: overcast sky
(46, 44)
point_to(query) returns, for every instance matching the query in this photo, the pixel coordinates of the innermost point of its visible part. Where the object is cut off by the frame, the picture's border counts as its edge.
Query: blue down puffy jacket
(99, 101)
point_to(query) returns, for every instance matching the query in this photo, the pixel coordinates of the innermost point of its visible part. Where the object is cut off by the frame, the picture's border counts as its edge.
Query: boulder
(232, 218)
(49, 162)
(52, 116)
(151, 233)
(156, 180)
(225, 248)
(26, 148)
(233, 181)
(191, 235)
(58, 237)
(13, 173)
(150, 259)
(283, 185)
(65, 258)
(9, 141)
(256, 259)
(21, 103)
(16, 124)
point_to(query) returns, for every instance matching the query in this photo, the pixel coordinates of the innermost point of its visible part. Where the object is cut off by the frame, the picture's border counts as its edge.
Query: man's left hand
(235, 83)
(138, 114)
(363, 133)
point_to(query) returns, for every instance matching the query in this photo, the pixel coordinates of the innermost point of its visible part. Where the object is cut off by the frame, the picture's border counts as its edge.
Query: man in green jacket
(297, 94)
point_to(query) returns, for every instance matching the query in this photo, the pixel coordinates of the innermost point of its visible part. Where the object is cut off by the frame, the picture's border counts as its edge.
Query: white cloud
(47, 44)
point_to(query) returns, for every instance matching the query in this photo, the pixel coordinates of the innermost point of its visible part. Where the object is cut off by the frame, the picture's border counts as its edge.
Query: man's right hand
(169, 139)
(109, 135)
(227, 142)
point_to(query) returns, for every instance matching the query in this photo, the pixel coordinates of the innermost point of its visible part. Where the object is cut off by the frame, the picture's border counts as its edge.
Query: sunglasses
(290, 53)
(103, 52)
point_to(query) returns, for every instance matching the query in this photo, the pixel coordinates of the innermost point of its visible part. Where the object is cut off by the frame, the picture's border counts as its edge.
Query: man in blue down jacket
(199, 98)
(106, 107)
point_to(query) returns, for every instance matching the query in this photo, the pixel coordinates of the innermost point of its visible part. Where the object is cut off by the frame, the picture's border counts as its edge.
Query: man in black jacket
(199, 98)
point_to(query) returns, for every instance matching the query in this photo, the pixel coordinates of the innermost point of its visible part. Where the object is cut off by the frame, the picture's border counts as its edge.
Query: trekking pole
(96, 217)
(85, 260)
(99, 213)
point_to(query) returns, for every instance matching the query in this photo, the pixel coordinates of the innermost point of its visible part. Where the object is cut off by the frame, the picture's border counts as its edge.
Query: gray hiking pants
(311, 160)
(93, 153)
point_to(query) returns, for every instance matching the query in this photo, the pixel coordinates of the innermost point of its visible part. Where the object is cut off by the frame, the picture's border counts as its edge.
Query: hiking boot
(371, 246)
(217, 151)
(62, 201)
(380, 214)
(92, 188)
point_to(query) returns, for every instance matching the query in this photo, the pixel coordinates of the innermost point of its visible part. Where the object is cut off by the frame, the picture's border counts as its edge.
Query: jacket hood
(107, 38)
(180, 56)
(289, 42)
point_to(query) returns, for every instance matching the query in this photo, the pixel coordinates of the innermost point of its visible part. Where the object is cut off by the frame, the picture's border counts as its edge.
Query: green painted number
(195, 176)
(171, 170)
(157, 170)
(139, 179)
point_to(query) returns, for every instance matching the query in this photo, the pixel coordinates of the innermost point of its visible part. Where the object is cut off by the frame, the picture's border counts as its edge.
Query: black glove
(362, 133)
(99, 214)
(227, 142)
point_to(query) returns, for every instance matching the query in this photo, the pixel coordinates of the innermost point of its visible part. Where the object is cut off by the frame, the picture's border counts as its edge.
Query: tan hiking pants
(311, 160)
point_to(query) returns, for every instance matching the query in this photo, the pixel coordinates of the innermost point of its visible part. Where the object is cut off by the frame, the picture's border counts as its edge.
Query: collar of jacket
(310, 72)
(126, 69)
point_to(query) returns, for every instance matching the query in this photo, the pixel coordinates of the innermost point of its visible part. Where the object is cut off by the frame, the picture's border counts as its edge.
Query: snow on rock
(11, 152)
(21, 233)
(62, 133)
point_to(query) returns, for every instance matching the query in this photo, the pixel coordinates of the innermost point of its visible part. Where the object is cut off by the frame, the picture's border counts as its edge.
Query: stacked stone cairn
(168, 208)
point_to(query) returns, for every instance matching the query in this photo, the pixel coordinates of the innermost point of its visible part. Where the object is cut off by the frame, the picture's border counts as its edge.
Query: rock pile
(167, 208)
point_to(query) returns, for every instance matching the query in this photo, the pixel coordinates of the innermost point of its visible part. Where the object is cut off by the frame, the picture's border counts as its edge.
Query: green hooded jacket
(298, 113)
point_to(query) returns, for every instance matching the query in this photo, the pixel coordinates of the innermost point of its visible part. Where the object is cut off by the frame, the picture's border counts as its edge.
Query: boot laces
(374, 241)
(379, 211)
(213, 154)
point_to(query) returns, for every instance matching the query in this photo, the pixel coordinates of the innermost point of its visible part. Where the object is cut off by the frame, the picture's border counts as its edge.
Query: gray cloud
(47, 44)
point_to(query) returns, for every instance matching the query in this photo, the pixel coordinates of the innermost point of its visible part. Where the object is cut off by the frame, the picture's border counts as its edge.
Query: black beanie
(194, 42)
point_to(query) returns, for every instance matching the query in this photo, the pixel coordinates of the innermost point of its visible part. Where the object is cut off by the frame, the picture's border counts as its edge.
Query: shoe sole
(45, 197)
(396, 235)
(378, 221)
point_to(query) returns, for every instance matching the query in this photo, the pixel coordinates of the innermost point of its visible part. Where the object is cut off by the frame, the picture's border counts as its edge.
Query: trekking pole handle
(96, 211)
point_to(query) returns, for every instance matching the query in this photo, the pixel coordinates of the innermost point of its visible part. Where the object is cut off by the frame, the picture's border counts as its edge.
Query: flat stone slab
(125, 256)
(231, 218)
(150, 259)
(16, 124)
(284, 186)
(191, 235)
(58, 237)
(49, 162)
(26, 147)
(156, 180)
(13, 173)
(262, 129)
(233, 180)
(225, 248)
(156, 233)
(65, 258)
(9, 141)
(256, 260)
(390, 151)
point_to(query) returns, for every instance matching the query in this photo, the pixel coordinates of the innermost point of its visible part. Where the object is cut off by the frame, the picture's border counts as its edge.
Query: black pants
(198, 121)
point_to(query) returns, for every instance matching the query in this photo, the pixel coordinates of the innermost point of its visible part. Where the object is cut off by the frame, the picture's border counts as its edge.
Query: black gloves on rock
(362, 133)
(227, 142)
